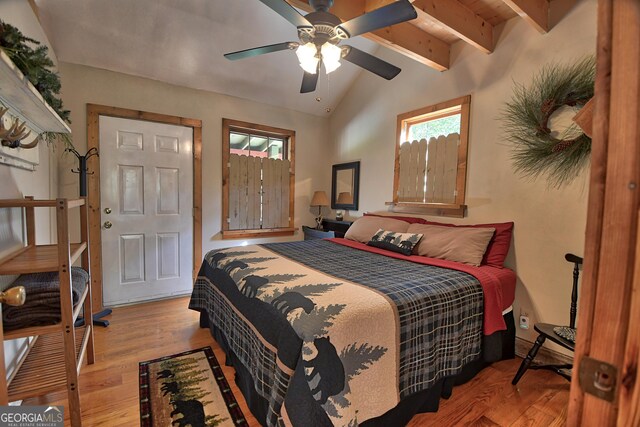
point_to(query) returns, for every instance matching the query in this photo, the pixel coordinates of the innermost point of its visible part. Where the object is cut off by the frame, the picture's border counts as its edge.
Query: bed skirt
(497, 346)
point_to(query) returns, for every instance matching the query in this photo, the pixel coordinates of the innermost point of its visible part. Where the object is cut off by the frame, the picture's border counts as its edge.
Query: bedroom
(361, 126)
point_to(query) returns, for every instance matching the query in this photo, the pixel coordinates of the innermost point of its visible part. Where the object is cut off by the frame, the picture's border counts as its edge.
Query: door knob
(107, 224)
(107, 210)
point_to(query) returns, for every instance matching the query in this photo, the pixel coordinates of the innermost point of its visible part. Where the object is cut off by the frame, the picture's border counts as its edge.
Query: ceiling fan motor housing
(321, 5)
(326, 27)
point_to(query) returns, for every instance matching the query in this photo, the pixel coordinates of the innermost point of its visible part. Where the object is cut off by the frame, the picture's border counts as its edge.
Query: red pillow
(409, 219)
(499, 244)
(498, 247)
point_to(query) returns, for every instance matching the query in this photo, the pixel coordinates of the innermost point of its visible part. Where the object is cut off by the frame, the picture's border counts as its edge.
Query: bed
(335, 332)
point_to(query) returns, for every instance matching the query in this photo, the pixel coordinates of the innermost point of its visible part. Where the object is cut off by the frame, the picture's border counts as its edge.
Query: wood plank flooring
(109, 388)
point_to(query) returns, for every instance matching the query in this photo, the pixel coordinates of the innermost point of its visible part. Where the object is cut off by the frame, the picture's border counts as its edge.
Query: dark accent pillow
(402, 243)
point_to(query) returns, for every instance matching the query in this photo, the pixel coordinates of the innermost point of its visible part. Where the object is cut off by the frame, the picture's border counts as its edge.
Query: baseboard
(545, 355)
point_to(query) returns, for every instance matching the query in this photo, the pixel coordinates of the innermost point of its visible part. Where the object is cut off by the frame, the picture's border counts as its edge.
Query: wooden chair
(549, 331)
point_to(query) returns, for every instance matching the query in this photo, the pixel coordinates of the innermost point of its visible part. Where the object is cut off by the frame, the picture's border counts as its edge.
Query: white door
(146, 197)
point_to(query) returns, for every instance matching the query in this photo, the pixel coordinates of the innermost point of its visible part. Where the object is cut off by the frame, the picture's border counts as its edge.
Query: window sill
(439, 209)
(262, 233)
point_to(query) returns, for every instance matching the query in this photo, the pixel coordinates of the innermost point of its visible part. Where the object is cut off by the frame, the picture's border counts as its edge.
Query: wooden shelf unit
(57, 352)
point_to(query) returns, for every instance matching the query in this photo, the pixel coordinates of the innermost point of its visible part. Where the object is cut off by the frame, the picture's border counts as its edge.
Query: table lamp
(319, 199)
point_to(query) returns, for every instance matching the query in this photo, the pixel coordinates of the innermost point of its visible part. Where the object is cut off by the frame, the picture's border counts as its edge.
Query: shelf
(25, 102)
(46, 329)
(43, 371)
(38, 259)
(266, 232)
(30, 203)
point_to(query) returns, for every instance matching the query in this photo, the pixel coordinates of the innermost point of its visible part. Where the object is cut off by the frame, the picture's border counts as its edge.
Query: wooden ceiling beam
(403, 38)
(460, 20)
(454, 16)
(414, 43)
(536, 12)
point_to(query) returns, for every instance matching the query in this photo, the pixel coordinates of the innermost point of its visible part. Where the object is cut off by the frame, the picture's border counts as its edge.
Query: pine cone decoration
(562, 145)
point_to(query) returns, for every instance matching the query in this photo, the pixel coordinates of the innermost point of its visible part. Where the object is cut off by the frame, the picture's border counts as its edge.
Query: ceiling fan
(320, 33)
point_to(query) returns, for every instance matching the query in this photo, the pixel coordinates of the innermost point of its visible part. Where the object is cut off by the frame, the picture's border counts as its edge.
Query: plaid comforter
(333, 335)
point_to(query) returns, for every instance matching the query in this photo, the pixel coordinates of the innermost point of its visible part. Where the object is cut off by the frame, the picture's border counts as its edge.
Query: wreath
(526, 122)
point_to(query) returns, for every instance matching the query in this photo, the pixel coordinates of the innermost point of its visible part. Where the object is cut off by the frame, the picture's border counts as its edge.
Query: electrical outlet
(524, 321)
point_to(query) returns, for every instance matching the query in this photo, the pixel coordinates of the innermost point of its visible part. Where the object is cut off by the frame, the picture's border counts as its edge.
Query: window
(258, 180)
(431, 159)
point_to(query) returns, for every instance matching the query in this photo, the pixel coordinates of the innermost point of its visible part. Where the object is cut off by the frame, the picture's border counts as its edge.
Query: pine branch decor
(35, 64)
(526, 122)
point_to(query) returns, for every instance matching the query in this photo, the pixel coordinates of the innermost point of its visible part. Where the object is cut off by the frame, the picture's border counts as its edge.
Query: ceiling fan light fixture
(307, 55)
(331, 55)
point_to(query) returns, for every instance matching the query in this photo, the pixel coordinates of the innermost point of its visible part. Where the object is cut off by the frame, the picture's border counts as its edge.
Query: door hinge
(598, 378)
(228, 220)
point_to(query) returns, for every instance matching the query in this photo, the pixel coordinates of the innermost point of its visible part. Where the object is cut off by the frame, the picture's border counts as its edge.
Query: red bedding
(498, 284)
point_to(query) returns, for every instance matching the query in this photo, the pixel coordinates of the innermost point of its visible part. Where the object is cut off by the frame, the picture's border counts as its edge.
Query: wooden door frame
(94, 112)
(610, 299)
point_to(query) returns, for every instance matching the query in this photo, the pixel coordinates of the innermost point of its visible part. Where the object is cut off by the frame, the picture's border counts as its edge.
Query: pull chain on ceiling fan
(321, 32)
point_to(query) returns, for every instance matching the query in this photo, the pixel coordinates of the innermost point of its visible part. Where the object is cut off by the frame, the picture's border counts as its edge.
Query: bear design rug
(187, 389)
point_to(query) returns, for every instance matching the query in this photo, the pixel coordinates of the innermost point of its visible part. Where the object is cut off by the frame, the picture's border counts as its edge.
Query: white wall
(548, 222)
(16, 183)
(82, 85)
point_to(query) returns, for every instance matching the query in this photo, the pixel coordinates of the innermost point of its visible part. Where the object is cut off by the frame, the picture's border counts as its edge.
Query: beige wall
(548, 222)
(82, 85)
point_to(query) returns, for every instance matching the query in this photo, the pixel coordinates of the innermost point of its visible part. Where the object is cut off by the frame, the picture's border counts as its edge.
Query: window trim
(456, 209)
(289, 136)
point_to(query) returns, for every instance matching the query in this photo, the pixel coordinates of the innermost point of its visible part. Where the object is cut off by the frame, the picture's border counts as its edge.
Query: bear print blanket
(332, 335)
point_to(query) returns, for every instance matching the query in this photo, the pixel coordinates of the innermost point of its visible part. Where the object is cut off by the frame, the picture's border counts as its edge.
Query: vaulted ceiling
(183, 41)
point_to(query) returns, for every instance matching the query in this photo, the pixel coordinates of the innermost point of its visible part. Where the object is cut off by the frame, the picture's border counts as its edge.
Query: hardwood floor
(109, 388)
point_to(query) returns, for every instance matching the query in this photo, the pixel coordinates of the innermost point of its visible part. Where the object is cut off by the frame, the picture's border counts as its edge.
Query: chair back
(577, 262)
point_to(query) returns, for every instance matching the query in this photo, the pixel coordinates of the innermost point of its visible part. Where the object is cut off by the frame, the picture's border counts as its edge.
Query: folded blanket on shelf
(42, 306)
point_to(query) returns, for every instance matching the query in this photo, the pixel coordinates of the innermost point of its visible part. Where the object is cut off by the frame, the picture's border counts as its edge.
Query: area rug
(187, 389)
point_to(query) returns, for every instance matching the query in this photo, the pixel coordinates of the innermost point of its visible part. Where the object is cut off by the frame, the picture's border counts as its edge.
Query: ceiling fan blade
(288, 12)
(393, 13)
(247, 53)
(309, 82)
(371, 63)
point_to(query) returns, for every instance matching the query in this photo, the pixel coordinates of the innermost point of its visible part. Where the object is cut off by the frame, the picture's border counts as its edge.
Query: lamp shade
(307, 55)
(345, 198)
(319, 199)
(331, 55)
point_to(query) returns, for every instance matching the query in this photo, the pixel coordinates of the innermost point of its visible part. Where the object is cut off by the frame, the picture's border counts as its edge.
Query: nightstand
(338, 227)
(313, 233)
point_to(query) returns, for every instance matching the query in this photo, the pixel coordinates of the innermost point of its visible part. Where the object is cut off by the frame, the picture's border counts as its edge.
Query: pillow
(461, 244)
(363, 229)
(409, 219)
(396, 242)
(499, 245)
